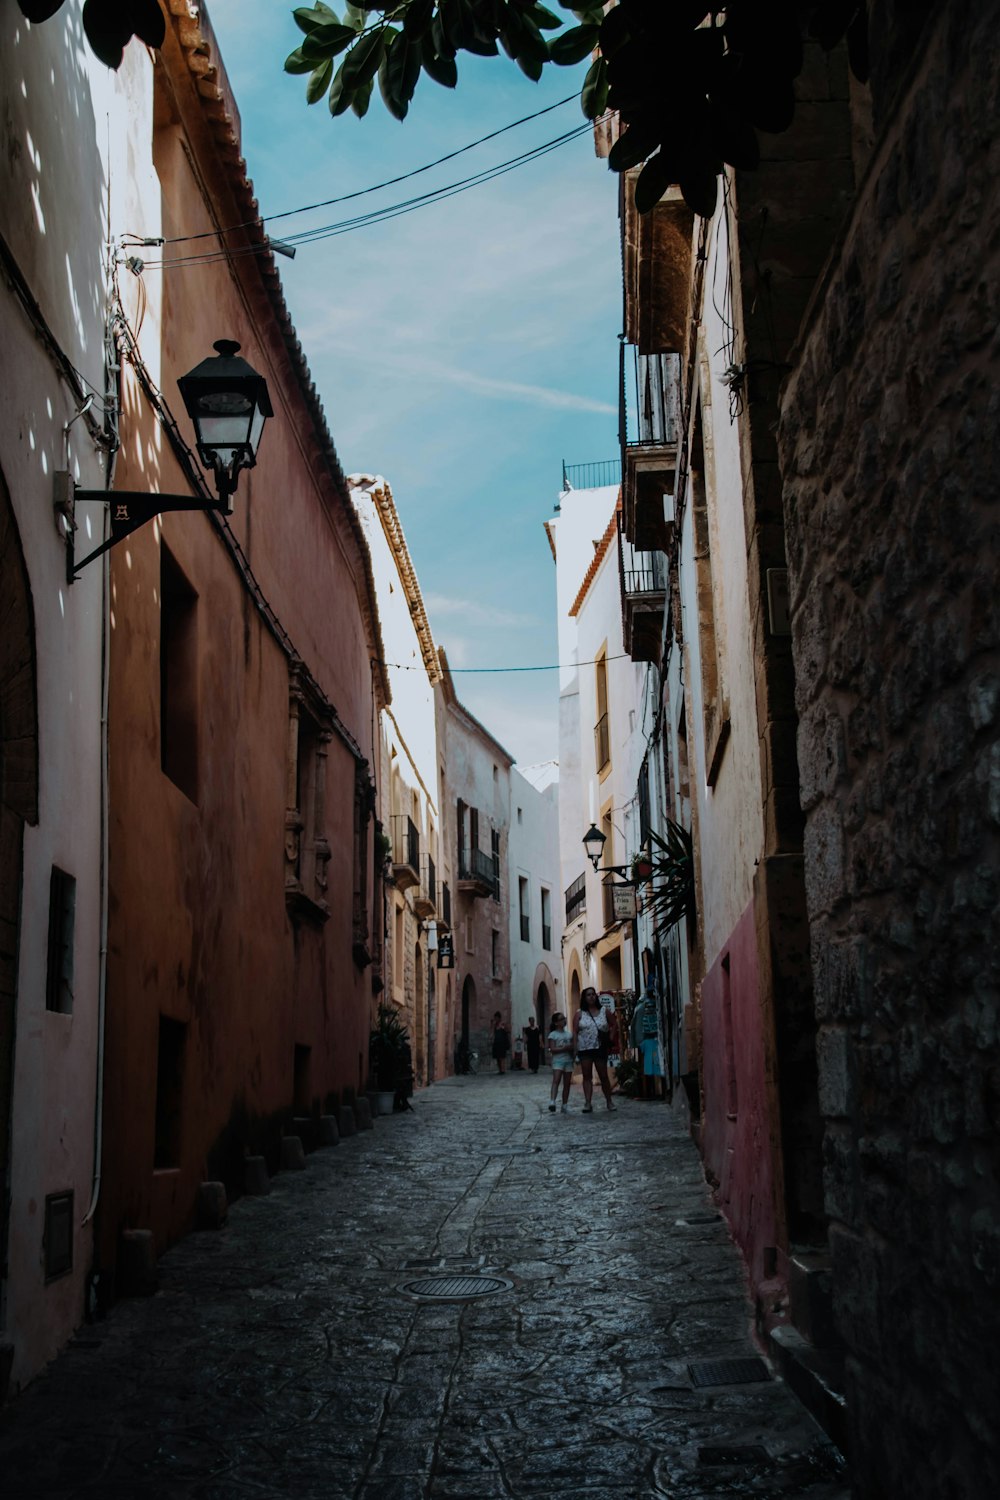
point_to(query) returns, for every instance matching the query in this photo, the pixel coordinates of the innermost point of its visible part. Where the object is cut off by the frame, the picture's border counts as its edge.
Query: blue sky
(463, 350)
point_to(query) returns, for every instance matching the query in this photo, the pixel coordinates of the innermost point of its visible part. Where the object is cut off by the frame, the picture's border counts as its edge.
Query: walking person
(560, 1048)
(533, 1043)
(501, 1042)
(590, 1026)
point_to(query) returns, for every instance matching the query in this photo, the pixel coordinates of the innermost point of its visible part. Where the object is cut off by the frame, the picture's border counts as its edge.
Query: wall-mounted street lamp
(623, 893)
(593, 842)
(228, 403)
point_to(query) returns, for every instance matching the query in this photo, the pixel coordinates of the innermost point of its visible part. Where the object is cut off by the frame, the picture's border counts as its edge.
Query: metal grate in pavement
(728, 1371)
(456, 1288)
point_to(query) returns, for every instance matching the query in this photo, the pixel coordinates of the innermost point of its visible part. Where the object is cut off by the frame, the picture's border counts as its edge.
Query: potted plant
(388, 1056)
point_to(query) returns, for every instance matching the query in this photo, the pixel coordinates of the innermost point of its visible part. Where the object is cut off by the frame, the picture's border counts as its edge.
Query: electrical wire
(549, 667)
(377, 187)
(390, 211)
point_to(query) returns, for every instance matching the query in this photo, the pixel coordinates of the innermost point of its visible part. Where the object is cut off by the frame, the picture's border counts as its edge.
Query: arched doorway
(18, 796)
(574, 992)
(542, 1007)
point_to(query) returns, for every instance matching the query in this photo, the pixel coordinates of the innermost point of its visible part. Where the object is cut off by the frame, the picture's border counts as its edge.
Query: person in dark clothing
(533, 1043)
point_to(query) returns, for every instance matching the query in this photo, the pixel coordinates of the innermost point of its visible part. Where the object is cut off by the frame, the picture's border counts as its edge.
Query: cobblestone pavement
(284, 1356)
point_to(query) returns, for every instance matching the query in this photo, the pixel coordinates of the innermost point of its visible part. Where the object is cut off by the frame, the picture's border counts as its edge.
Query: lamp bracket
(130, 509)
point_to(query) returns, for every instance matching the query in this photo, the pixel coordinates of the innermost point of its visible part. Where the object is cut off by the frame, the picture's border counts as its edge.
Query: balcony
(576, 899)
(405, 852)
(602, 743)
(425, 896)
(644, 592)
(649, 427)
(478, 874)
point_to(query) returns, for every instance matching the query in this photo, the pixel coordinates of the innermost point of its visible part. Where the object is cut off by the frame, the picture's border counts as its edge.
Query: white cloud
(475, 612)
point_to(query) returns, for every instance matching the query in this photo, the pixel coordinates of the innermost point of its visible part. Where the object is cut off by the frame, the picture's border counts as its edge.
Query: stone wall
(888, 444)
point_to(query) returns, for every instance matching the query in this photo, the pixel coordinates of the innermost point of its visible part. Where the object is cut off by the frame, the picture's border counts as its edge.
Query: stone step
(817, 1378)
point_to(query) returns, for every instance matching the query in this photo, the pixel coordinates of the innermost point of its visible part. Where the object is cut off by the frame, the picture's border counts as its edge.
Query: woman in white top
(560, 1047)
(590, 1024)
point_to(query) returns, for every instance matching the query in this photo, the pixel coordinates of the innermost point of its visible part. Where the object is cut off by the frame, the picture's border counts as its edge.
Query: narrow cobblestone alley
(284, 1355)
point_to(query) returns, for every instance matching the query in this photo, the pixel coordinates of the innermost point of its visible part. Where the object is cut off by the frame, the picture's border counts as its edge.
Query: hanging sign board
(445, 951)
(623, 903)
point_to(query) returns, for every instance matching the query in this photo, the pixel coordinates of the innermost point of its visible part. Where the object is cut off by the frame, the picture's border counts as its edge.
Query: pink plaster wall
(736, 1141)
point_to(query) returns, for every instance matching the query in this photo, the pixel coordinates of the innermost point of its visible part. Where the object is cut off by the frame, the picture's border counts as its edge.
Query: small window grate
(58, 1242)
(729, 1372)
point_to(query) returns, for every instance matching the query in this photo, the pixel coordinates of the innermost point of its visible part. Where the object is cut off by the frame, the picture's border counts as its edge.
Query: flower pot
(386, 1100)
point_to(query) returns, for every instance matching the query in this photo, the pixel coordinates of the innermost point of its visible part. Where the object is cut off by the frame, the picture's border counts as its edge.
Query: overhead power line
(380, 215)
(377, 187)
(549, 667)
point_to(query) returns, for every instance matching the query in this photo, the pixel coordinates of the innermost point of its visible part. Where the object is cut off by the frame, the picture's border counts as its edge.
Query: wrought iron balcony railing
(405, 842)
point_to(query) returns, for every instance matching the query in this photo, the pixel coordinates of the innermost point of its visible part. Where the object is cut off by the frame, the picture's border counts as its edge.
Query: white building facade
(536, 905)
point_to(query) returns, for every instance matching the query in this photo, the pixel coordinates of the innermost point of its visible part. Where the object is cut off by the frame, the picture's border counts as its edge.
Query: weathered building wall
(533, 856)
(888, 450)
(241, 870)
(63, 169)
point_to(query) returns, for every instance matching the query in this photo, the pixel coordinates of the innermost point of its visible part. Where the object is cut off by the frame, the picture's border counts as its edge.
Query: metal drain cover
(729, 1372)
(456, 1288)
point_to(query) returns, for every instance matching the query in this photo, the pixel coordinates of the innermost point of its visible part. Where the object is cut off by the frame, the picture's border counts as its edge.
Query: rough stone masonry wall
(889, 449)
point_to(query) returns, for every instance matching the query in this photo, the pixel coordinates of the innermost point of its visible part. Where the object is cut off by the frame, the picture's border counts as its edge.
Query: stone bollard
(363, 1113)
(293, 1157)
(305, 1129)
(213, 1209)
(345, 1120)
(329, 1134)
(137, 1264)
(257, 1182)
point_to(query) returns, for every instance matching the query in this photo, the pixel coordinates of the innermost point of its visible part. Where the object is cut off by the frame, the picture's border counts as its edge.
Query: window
(546, 917)
(714, 701)
(460, 825)
(178, 676)
(169, 1091)
(307, 852)
(522, 896)
(62, 926)
(470, 935)
(602, 736)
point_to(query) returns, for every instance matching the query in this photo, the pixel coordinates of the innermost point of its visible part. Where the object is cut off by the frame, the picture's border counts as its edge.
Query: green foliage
(388, 1048)
(692, 84)
(628, 1074)
(672, 880)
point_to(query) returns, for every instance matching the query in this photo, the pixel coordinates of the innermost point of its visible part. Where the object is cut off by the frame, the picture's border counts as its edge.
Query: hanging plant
(672, 877)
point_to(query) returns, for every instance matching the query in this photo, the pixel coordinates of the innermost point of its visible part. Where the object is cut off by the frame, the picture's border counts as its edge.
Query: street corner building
(189, 780)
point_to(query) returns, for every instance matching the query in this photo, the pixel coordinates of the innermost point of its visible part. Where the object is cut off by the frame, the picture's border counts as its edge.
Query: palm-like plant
(388, 1048)
(672, 878)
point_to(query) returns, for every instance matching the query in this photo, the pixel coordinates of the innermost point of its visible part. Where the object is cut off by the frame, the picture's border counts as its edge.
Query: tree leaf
(700, 188)
(362, 99)
(639, 142)
(108, 30)
(594, 94)
(418, 18)
(362, 62)
(296, 63)
(574, 45)
(443, 70)
(148, 22)
(531, 67)
(656, 176)
(319, 82)
(396, 108)
(341, 93)
(37, 11)
(544, 19)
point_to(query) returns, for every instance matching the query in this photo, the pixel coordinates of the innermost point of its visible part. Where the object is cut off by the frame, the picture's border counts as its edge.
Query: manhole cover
(456, 1288)
(729, 1372)
(737, 1454)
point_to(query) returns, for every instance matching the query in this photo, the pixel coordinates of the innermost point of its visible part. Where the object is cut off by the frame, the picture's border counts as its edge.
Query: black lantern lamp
(593, 842)
(228, 403)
